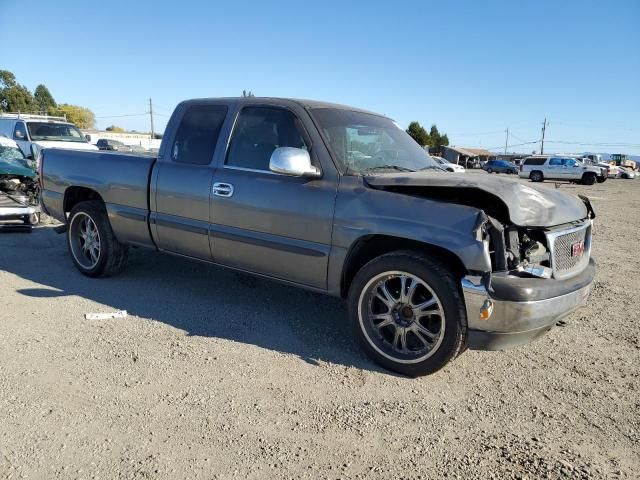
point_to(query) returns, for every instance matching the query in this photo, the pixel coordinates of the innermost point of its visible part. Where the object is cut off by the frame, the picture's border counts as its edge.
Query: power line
(600, 144)
(120, 116)
(477, 134)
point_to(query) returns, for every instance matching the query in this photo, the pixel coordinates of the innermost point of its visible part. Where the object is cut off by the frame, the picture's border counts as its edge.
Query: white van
(42, 131)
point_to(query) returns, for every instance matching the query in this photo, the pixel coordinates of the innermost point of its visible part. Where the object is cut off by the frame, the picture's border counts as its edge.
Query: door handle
(222, 189)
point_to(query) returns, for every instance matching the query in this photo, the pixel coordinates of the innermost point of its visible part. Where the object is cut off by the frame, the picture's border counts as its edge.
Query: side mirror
(295, 162)
(18, 135)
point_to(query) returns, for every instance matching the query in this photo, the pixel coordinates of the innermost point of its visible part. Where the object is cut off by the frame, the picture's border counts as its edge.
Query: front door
(265, 222)
(183, 178)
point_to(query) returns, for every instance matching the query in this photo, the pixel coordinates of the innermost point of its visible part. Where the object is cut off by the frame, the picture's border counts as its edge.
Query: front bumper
(522, 309)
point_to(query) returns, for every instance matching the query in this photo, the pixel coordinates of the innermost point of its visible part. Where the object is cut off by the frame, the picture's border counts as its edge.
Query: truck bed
(121, 180)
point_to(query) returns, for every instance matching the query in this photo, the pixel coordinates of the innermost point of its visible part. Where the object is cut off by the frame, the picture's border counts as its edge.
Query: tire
(489, 170)
(536, 176)
(94, 248)
(601, 179)
(588, 179)
(441, 321)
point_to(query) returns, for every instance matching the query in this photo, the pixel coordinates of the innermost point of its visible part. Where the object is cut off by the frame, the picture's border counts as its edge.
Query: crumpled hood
(528, 205)
(66, 145)
(15, 167)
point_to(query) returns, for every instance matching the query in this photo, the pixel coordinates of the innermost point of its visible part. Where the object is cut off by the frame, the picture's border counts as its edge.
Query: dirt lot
(219, 375)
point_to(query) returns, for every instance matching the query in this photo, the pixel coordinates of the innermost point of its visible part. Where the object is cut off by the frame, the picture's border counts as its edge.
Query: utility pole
(151, 115)
(544, 127)
(506, 142)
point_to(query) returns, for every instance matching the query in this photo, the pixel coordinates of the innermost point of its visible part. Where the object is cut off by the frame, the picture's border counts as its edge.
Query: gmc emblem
(577, 249)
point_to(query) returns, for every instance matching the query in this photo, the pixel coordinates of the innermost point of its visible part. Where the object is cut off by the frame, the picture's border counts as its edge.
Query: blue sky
(473, 68)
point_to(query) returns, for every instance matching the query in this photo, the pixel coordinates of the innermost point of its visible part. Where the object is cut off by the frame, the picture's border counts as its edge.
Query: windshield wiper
(388, 167)
(434, 167)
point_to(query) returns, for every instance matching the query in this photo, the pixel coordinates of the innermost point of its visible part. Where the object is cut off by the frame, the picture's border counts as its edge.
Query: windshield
(364, 142)
(12, 156)
(57, 132)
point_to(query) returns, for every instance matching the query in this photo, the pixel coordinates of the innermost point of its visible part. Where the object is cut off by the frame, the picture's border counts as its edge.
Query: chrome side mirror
(295, 162)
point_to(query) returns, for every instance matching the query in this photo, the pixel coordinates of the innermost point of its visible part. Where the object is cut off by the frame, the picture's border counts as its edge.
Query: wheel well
(75, 195)
(367, 248)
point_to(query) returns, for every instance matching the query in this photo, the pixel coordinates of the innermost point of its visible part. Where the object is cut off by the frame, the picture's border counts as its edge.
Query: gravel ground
(219, 375)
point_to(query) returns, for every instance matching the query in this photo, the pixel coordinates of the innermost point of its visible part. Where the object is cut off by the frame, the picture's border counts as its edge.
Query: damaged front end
(19, 195)
(542, 252)
(537, 248)
(539, 275)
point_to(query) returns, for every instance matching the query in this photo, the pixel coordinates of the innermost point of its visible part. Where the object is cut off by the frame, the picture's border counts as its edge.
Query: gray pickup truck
(341, 201)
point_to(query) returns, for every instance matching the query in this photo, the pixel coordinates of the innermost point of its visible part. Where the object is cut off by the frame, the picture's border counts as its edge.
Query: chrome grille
(561, 243)
(562, 250)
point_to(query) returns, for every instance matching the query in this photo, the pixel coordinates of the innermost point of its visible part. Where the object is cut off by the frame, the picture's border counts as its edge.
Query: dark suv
(499, 166)
(114, 145)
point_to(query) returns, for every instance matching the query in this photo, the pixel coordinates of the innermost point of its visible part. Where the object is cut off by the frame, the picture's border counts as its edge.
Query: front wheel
(94, 248)
(536, 176)
(601, 179)
(588, 179)
(408, 313)
(489, 170)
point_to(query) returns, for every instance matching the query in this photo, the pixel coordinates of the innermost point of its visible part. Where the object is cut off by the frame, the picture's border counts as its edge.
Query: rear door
(182, 182)
(265, 222)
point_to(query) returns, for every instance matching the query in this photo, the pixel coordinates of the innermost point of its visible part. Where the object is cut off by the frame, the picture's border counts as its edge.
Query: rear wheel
(588, 179)
(536, 176)
(408, 313)
(94, 248)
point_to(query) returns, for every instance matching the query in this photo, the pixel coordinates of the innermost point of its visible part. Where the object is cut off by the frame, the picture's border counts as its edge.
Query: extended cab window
(258, 132)
(198, 134)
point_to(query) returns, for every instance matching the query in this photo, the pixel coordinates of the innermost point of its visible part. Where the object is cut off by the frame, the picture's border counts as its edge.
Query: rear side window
(555, 162)
(535, 161)
(258, 132)
(198, 134)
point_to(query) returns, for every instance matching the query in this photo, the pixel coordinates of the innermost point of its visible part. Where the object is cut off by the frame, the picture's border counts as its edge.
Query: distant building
(143, 140)
(468, 157)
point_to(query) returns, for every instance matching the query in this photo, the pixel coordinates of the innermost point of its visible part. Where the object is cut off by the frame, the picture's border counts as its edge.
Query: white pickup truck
(34, 133)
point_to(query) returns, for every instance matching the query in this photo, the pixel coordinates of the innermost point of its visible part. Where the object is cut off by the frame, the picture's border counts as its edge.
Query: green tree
(13, 96)
(114, 128)
(436, 140)
(82, 117)
(43, 99)
(247, 93)
(418, 133)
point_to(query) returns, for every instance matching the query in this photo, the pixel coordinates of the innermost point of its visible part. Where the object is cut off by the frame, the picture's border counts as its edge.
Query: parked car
(19, 189)
(539, 168)
(613, 171)
(430, 263)
(448, 166)
(42, 131)
(626, 172)
(113, 145)
(499, 166)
